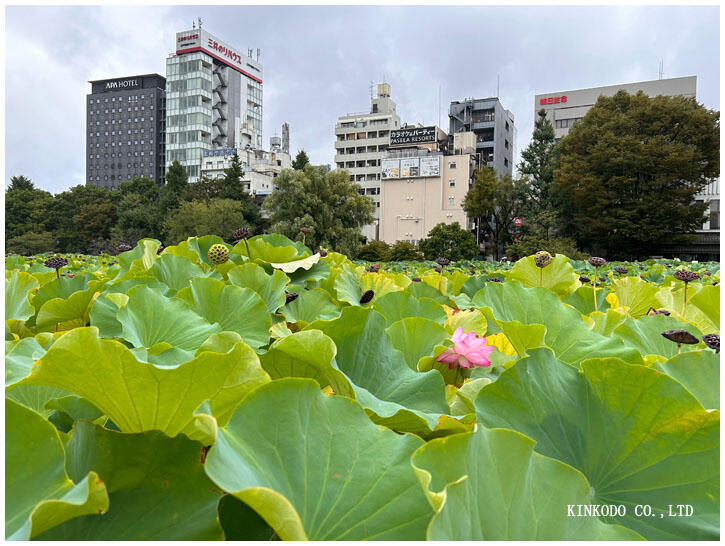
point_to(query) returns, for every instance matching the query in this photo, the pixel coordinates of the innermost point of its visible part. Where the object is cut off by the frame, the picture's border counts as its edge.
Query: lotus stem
(541, 277)
(247, 245)
(684, 306)
(596, 277)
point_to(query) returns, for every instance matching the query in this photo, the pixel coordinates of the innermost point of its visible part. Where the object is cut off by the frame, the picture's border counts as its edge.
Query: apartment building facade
(361, 140)
(125, 127)
(493, 127)
(214, 92)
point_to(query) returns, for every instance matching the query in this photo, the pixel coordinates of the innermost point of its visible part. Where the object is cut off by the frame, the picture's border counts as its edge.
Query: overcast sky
(319, 61)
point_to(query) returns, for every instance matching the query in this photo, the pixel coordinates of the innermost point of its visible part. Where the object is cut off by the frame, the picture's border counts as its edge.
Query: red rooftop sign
(553, 100)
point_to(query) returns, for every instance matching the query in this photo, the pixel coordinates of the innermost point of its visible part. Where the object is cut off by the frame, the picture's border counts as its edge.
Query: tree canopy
(449, 241)
(630, 170)
(325, 202)
(300, 161)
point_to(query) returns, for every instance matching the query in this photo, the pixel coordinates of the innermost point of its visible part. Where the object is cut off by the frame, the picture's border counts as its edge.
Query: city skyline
(312, 79)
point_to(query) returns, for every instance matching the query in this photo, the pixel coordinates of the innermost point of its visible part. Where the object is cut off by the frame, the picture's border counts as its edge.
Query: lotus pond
(261, 391)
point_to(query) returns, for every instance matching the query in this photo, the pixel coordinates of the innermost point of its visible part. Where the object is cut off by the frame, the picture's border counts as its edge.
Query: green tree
(630, 171)
(375, 251)
(204, 189)
(449, 241)
(301, 161)
(138, 212)
(232, 187)
(531, 243)
(326, 202)
(20, 182)
(196, 218)
(494, 200)
(94, 222)
(27, 209)
(403, 251)
(176, 178)
(66, 205)
(31, 243)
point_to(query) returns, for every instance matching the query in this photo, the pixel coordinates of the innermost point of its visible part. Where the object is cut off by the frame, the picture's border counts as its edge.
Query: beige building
(422, 187)
(565, 108)
(361, 140)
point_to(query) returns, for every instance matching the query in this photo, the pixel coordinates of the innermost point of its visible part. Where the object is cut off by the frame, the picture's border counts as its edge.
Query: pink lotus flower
(468, 351)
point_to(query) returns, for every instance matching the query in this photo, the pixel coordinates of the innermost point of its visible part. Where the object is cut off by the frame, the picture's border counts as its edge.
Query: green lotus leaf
(18, 288)
(138, 396)
(311, 305)
(150, 318)
(582, 299)
(198, 246)
(19, 358)
(456, 280)
(38, 493)
(464, 401)
(492, 485)
(272, 248)
(315, 467)
(157, 487)
(65, 314)
(75, 407)
(269, 287)
(523, 336)
(416, 337)
(63, 288)
(423, 290)
(395, 306)
(139, 260)
(605, 323)
(310, 354)
(35, 397)
(471, 320)
(393, 394)
(240, 522)
(636, 434)
(699, 373)
(558, 276)
(566, 332)
(175, 271)
(304, 277)
(103, 313)
(635, 293)
(707, 301)
(645, 334)
(473, 285)
(236, 309)
(162, 355)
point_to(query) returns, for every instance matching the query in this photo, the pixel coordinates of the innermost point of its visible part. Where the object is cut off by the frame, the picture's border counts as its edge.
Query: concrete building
(214, 93)
(423, 184)
(493, 126)
(125, 124)
(361, 140)
(565, 108)
(260, 167)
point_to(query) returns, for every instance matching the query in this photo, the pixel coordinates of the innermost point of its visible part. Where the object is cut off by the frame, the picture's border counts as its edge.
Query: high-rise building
(125, 122)
(493, 126)
(214, 96)
(565, 108)
(361, 140)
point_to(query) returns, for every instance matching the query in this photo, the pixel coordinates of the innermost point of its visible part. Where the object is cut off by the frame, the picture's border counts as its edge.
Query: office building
(493, 126)
(424, 181)
(565, 108)
(214, 94)
(361, 140)
(125, 120)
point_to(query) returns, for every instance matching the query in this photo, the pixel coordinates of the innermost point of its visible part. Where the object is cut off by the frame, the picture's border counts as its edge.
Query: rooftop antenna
(439, 105)
(193, 24)
(498, 81)
(662, 68)
(259, 52)
(199, 23)
(371, 89)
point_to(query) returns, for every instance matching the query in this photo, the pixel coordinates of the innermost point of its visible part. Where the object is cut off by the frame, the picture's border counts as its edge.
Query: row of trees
(622, 182)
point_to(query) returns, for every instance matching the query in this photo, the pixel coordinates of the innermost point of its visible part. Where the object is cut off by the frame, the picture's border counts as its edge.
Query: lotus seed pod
(416, 279)
(290, 297)
(495, 279)
(374, 268)
(680, 336)
(241, 233)
(597, 262)
(603, 279)
(123, 248)
(218, 254)
(305, 230)
(658, 312)
(367, 296)
(321, 252)
(712, 341)
(437, 269)
(160, 249)
(56, 262)
(443, 261)
(620, 269)
(542, 258)
(584, 279)
(686, 276)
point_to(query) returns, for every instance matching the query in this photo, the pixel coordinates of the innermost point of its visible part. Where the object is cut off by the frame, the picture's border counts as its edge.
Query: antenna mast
(662, 68)
(498, 81)
(199, 23)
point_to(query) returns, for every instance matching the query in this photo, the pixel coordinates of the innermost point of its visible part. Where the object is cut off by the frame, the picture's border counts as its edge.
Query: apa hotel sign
(129, 83)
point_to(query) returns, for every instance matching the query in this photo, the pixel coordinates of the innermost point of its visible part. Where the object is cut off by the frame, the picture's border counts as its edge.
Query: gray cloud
(319, 62)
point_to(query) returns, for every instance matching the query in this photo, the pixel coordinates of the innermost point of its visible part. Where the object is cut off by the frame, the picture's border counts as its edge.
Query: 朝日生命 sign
(553, 100)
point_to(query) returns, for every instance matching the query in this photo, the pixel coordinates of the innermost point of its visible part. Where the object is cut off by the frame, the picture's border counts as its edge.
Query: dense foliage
(259, 391)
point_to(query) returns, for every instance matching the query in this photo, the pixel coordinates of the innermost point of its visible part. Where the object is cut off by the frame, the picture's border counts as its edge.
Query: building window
(452, 183)
(715, 214)
(505, 162)
(451, 201)
(452, 165)
(506, 144)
